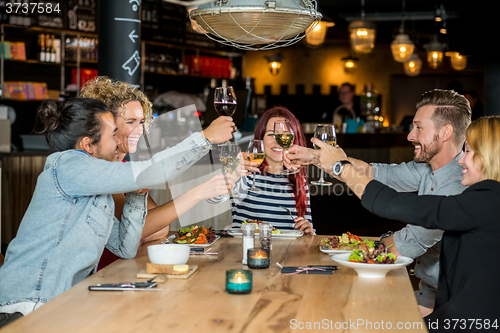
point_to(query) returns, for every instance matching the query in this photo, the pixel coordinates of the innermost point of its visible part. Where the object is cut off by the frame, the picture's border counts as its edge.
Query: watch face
(337, 168)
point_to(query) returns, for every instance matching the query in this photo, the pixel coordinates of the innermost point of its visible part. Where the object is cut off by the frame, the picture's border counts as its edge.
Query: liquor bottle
(48, 48)
(41, 42)
(52, 49)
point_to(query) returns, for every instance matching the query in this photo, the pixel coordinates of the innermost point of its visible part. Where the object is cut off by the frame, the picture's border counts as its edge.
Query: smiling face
(274, 153)
(108, 144)
(471, 173)
(130, 128)
(424, 135)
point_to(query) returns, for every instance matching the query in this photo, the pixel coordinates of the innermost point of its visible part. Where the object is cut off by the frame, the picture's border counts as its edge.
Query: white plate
(371, 270)
(171, 241)
(334, 251)
(236, 232)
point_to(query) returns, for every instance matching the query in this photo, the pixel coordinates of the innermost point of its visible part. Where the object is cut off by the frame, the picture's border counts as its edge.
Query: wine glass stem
(321, 179)
(253, 185)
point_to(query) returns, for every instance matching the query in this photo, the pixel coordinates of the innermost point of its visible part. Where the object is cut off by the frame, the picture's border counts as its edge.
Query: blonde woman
(468, 285)
(132, 112)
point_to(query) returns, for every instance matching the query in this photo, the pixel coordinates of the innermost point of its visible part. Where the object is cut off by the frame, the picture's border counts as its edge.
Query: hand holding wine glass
(256, 154)
(325, 133)
(225, 102)
(284, 137)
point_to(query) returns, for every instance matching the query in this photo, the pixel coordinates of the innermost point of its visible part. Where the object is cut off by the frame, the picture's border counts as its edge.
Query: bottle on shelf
(41, 45)
(52, 49)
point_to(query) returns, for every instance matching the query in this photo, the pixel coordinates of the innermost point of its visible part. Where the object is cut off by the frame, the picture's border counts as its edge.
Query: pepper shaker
(265, 231)
(248, 231)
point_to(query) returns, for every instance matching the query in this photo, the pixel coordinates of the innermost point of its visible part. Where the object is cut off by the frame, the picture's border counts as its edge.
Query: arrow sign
(132, 36)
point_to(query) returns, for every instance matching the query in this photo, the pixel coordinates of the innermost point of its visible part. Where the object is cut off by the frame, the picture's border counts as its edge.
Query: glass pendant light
(434, 53)
(350, 64)
(402, 48)
(274, 62)
(316, 33)
(458, 61)
(413, 66)
(362, 34)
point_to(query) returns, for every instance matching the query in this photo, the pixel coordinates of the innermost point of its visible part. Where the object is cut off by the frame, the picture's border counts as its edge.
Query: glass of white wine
(326, 133)
(284, 136)
(256, 155)
(229, 158)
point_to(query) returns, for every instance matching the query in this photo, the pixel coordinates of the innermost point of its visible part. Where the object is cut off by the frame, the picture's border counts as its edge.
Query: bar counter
(278, 303)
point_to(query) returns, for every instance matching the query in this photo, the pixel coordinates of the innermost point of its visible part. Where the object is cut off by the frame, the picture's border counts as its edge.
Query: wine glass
(284, 136)
(257, 155)
(326, 133)
(229, 158)
(225, 102)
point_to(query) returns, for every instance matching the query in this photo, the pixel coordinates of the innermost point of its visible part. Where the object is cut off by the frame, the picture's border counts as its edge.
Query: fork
(288, 211)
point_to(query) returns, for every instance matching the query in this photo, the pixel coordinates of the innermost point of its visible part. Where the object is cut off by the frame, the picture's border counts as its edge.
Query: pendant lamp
(402, 47)
(362, 34)
(257, 24)
(316, 34)
(458, 61)
(434, 53)
(413, 66)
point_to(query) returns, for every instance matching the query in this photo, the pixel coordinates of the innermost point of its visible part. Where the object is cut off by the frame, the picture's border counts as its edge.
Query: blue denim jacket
(71, 218)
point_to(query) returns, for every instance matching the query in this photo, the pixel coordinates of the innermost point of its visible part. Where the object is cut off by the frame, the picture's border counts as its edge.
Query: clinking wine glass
(325, 133)
(229, 158)
(284, 136)
(256, 155)
(225, 102)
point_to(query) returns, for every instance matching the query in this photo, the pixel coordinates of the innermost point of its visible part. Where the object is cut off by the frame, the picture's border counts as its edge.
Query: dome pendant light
(402, 48)
(316, 34)
(413, 66)
(434, 53)
(362, 34)
(256, 24)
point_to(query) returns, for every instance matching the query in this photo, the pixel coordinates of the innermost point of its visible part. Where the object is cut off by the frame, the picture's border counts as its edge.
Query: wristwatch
(337, 167)
(387, 234)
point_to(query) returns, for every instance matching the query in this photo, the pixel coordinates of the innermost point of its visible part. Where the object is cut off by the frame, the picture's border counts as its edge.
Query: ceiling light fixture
(434, 53)
(402, 46)
(350, 64)
(413, 66)
(275, 63)
(458, 61)
(316, 34)
(362, 34)
(257, 24)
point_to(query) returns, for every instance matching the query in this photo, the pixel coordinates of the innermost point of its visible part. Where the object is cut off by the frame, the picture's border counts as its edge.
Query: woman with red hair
(278, 190)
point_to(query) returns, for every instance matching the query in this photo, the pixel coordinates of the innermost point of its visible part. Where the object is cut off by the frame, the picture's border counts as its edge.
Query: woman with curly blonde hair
(132, 112)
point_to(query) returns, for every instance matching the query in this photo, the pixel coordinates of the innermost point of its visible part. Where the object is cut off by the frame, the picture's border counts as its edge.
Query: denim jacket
(70, 218)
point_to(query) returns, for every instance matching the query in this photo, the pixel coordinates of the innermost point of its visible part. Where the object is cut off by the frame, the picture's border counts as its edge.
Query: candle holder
(258, 258)
(238, 281)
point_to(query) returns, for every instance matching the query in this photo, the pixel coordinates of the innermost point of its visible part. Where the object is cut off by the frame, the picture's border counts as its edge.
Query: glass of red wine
(225, 102)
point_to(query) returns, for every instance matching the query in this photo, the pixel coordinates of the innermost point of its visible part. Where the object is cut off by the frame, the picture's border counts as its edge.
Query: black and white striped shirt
(265, 205)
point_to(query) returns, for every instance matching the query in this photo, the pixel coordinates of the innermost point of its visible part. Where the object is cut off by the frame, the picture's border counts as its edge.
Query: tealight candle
(258, 258)
(238, 281)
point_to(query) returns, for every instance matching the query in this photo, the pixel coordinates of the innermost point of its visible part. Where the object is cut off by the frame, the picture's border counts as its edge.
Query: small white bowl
(371, 270)
(169, 254)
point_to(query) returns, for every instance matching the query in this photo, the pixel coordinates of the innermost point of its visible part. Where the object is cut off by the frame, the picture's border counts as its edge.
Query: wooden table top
(339, 302)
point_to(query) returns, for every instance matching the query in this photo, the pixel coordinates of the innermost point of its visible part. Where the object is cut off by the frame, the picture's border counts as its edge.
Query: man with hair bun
(70, 218)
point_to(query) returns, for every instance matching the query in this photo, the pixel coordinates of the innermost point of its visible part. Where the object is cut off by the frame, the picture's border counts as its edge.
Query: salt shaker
(248, 231)
(265, 231)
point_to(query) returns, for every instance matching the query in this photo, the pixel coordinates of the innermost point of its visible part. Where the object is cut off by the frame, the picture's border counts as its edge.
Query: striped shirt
(265, 205)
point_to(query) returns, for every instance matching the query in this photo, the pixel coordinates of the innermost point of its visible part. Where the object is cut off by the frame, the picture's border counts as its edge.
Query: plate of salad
(194, 236)
(372, 264)
(344, 244)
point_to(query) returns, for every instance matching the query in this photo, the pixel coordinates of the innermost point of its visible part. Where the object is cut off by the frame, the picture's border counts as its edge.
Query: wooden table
(339, 302)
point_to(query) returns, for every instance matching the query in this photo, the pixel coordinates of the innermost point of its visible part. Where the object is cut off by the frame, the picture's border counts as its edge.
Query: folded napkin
(309, 270)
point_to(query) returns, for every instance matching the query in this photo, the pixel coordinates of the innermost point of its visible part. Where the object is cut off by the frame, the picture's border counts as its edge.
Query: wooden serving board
(162, 277)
